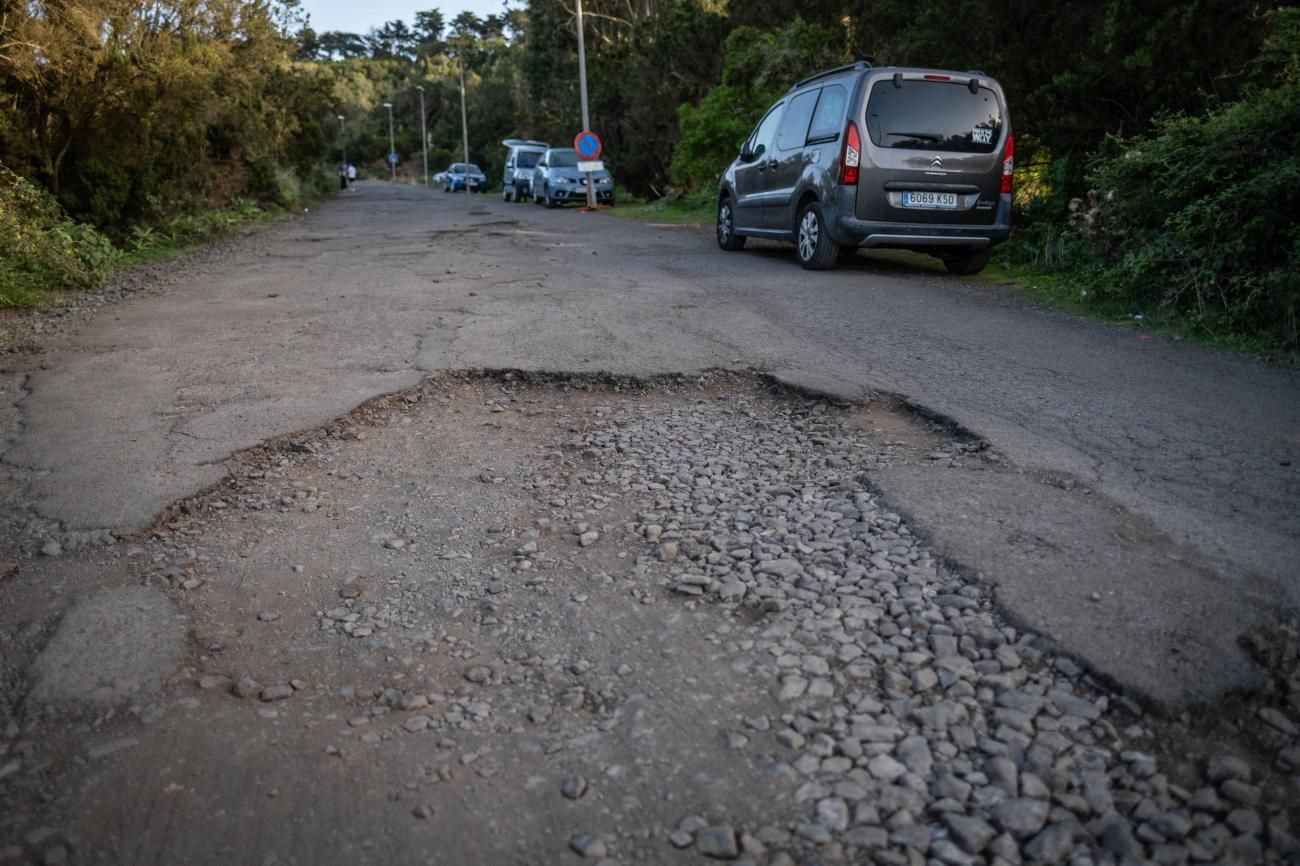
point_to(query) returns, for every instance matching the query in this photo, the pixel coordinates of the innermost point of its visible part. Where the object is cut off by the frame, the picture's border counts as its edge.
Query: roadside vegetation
(1155, 142)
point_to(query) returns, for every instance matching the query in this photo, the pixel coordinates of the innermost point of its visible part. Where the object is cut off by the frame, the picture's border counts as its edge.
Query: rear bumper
(849, 231)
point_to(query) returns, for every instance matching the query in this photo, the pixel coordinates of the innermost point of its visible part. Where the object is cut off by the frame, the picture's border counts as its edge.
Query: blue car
(456, 177)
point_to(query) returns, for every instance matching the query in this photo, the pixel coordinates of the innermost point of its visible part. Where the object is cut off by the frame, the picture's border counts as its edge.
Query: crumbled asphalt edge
(371, 413)
(23, 337)
(1236, 715)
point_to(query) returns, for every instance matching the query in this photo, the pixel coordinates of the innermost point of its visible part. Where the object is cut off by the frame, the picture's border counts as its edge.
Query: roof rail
(861, 64)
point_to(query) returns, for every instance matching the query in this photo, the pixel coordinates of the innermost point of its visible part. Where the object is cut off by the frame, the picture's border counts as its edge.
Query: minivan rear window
(829, 116)
(934, 115)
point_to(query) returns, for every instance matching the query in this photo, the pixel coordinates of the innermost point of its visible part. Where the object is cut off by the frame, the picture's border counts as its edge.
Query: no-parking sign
(587, 144)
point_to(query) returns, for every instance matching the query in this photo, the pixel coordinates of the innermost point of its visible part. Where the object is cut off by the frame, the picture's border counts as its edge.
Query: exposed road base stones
(626, 622)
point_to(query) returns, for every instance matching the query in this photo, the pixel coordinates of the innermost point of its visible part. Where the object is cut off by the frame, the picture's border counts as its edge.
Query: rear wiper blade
(929, 136)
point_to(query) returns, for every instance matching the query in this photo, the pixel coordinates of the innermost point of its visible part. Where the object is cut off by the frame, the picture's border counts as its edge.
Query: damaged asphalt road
(1186, 454)
(1137, 503)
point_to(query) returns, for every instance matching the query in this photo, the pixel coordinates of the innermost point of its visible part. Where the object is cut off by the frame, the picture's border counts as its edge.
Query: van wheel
(812, 244)
(507, 193)
(967, 262)
(727, 237)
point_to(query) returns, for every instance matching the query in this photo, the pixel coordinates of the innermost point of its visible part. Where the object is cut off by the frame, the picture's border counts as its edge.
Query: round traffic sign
(587, 144)
(392, 157)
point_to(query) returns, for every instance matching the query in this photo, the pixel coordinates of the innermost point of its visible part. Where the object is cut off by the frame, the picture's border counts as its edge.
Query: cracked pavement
(1169, 471)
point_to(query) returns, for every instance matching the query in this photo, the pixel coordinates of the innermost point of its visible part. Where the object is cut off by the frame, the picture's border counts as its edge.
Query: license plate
(930, 199)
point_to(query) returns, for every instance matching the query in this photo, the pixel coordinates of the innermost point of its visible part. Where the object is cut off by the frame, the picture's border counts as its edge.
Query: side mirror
(745, 155)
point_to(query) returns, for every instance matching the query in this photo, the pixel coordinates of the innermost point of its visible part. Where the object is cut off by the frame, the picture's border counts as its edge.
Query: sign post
(582, 90)
(588, 146)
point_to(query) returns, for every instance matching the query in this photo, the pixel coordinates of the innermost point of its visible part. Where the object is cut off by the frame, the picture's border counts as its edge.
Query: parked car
(517, 182)
(917, 159)
(457, 177)
(556, 179)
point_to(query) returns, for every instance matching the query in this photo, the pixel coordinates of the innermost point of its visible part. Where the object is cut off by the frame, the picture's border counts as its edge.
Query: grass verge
(696, 209)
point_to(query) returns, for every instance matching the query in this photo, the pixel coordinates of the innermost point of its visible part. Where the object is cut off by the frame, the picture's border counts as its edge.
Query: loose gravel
(671, 620)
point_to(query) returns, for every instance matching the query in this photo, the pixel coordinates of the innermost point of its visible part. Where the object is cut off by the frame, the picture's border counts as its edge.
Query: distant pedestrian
(343, 176)
(352, 173)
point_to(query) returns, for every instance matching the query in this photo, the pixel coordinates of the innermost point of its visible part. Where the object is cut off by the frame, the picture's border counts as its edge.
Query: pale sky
(358, 16)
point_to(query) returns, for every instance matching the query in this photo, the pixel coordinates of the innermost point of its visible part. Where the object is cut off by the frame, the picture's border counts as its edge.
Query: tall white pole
(464, 121)
(582, 91)
(424, 137)
(392, 148)
(343, 142)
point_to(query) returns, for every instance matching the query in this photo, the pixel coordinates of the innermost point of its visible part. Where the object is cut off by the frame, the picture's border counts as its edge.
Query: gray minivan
(917, 159)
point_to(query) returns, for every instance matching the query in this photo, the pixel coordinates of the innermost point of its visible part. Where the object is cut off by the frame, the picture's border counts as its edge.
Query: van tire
(812, 243)
(967, 262)
(726, 227)
(507, 193)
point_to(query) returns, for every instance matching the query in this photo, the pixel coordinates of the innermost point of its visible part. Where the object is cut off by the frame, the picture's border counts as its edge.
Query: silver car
(556, 180)
(517, 180)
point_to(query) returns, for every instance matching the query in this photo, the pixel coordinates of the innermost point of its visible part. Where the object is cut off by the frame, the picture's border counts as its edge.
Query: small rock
(718, 842)
(574, 786)
(276, 692)
(52, 548)
(1051, 845)
(589, 846)
(972, 834)
(1278, 721)
(245, 687)
(1021, 817)
(478, 674)
(1223, 766)
(269, 615)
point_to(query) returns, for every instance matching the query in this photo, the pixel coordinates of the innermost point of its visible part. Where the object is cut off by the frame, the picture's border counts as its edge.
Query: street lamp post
(582, 91)
(343, 144)
(464, 122)
(392, 147)
(424, 136)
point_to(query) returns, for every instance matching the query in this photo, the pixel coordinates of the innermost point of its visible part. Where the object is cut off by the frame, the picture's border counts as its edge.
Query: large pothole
(507, 619)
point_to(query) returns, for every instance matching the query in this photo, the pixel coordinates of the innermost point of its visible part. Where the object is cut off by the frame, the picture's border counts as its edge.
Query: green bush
(1202, 216)
(758, 66)
(43, 249)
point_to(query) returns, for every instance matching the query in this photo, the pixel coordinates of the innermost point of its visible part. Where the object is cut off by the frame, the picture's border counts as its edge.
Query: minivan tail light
(1009, 164)
(852, 155)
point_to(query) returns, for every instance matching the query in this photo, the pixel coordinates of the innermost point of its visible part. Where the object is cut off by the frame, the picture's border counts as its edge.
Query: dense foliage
(43, 249)
(1202, 215)
(130, 110)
